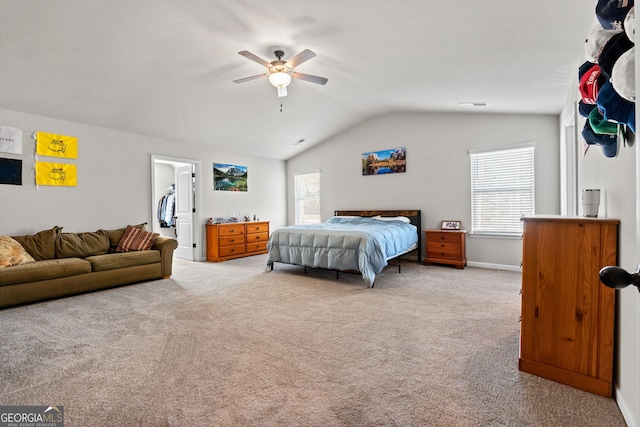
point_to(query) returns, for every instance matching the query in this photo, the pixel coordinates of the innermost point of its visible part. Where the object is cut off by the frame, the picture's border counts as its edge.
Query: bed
(362, 242)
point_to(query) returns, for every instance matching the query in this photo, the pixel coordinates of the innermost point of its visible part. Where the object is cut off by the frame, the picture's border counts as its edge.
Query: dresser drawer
(443, 250)
(257, 237)
(232, 250)
(256, 246)
(231, 230)
(235, 239)
(443, 237)
(260, 227)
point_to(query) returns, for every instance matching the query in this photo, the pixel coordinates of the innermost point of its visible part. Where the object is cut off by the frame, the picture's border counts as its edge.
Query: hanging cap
(595, 42)
(611, 13)
(623, 75)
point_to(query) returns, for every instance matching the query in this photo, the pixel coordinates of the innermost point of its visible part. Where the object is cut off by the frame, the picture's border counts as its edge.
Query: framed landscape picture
(384, 162)
(451, 225)
(229, 177)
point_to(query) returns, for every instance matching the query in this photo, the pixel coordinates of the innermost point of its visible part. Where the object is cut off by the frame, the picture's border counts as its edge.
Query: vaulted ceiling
(165, 67)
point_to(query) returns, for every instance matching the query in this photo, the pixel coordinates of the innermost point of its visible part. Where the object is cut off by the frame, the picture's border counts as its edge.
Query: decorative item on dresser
(236, 240)
(567, 321)
(445, 247)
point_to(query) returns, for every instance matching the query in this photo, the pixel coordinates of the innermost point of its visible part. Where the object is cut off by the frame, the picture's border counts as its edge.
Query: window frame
(298, 198)
(524, 185)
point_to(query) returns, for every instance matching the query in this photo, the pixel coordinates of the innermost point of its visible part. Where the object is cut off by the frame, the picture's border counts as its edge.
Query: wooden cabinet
(567, 322)
(236, 240)
(445, 247)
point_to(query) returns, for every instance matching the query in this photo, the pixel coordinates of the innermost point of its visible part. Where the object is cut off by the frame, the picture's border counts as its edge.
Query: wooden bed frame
(415, 217)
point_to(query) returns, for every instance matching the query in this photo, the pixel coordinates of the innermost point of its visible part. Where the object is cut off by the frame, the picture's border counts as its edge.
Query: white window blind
(307, 198)
(502, 189)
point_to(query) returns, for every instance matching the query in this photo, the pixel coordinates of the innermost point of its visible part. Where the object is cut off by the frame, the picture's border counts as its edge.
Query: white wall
(437, 180)
(114, 181)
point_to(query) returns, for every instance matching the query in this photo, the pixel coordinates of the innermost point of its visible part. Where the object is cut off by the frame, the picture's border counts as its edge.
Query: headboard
(415, 216)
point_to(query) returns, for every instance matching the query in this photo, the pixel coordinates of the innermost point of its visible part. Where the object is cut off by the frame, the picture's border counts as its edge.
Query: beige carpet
(232, 344)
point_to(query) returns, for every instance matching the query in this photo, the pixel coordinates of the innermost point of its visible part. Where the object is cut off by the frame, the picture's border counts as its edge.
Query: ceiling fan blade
(246, 79)
(303, 56)
(310, 78)
(255, 58)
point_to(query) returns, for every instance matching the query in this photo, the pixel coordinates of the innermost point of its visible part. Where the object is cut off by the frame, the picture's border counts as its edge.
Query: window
(502, 189)
(307, 198)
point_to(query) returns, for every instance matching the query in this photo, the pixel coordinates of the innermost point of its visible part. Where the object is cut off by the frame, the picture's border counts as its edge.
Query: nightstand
(445, 247)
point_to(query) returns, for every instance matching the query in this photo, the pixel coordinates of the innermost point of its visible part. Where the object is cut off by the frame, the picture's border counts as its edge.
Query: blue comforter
(343, 243)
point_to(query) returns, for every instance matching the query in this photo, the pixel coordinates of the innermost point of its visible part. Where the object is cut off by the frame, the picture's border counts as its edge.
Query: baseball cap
(596, 40)
(588, 74)
(611, 13)
(612, 50)
(623, 75)
(608, 143)
(601, 125)
(630, 24)
(615, 108)
(584, 109)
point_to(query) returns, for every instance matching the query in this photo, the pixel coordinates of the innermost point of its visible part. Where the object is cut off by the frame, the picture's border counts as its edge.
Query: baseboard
(494, 266)
(627, 414)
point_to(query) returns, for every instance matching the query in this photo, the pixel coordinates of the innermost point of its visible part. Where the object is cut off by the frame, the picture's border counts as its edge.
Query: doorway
(176, 204)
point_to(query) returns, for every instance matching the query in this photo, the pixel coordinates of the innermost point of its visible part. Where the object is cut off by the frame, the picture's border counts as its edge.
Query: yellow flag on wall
(59, 174)
(49, 144)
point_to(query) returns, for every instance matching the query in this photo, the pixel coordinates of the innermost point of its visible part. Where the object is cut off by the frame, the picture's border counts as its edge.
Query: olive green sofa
(72, 263)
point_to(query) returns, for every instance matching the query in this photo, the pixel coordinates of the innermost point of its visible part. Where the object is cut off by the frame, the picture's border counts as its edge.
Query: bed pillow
(12, 253)
(136, 239)
(392, 218)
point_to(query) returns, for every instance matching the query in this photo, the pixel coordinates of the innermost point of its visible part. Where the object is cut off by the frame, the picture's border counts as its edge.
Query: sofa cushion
(115, 261)
(42, 245)
(81, 245)
(12, 253)
(44, 270)
(116, 235)
(135, 239)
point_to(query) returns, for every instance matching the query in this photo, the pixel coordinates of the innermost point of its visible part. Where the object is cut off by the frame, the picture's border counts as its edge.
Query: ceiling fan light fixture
(280, 79)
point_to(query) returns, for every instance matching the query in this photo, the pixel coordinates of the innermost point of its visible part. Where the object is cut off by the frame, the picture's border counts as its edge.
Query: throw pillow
(82, 245)
(41, 245)
(116, 235)
(135, 239)
(12, 253)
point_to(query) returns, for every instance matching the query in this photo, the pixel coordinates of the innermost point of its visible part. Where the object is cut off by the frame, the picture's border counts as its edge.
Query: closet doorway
(175, 203)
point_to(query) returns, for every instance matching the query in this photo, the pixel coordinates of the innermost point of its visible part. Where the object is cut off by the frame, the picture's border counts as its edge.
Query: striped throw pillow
(136, 239)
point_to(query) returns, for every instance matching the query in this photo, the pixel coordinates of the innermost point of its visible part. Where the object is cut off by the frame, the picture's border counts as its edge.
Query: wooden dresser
(236, 240)
(567, 327)
(445, 247)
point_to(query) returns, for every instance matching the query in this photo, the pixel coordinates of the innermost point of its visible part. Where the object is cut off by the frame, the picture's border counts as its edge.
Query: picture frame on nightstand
(451, 225)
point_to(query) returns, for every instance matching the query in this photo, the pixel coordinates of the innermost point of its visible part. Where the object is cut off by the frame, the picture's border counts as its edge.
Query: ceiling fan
(280, 71)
